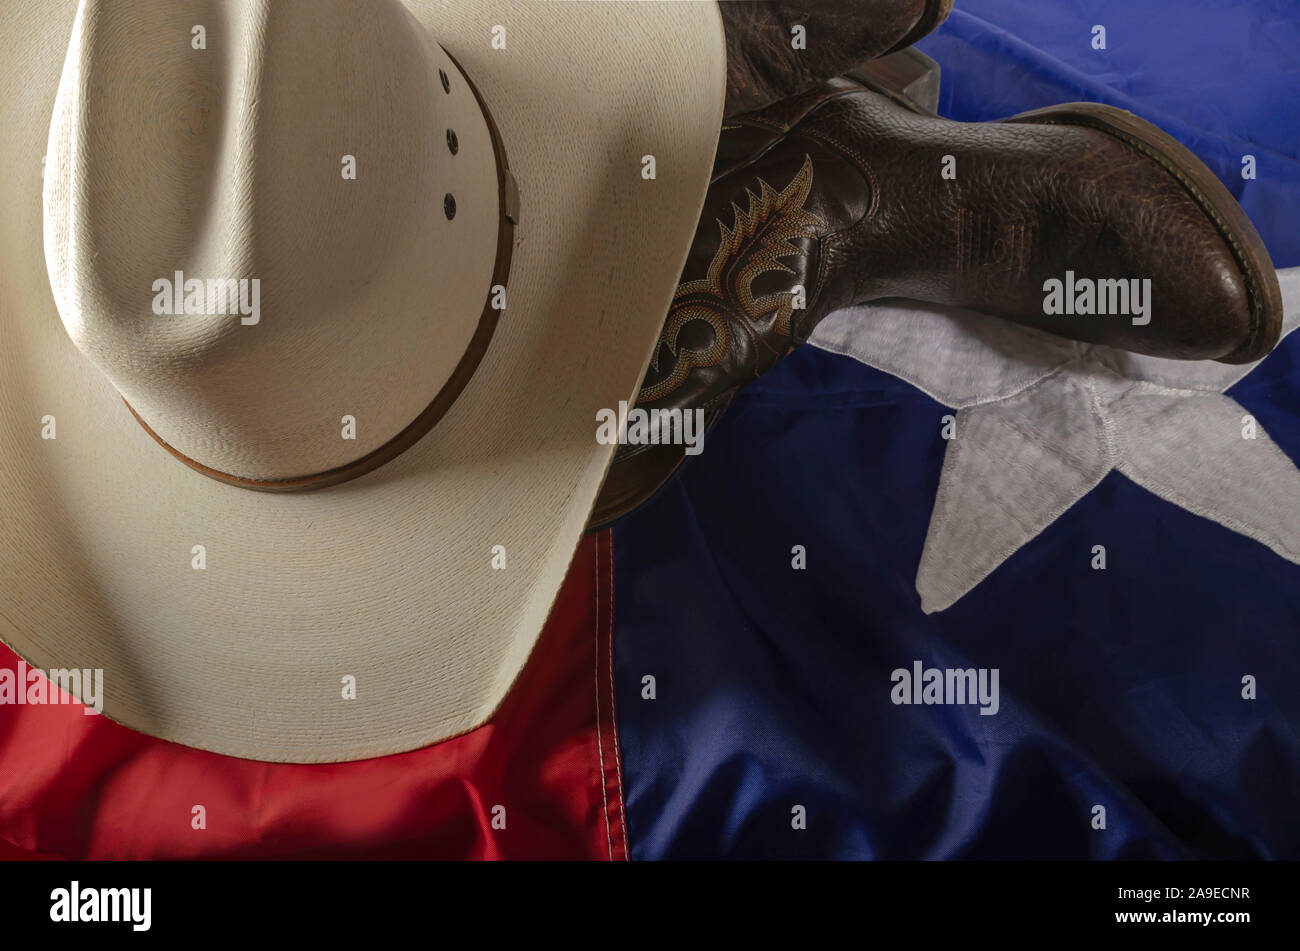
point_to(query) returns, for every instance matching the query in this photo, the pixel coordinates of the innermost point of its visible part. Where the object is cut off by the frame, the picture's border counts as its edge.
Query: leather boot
(764, 65)
(841, 193)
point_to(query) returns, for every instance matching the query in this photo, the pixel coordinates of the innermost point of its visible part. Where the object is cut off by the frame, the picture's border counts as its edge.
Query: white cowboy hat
(269, 240)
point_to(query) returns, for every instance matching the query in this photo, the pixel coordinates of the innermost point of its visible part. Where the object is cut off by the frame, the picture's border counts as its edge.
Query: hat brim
(393, 578)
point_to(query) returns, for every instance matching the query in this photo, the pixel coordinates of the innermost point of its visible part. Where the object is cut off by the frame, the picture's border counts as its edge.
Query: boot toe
(1214, 291)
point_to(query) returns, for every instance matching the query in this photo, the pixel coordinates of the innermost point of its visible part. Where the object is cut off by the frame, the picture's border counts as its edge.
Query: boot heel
(909, 77)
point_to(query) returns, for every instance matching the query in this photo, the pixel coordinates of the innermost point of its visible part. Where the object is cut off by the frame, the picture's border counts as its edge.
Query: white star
(1041, 420)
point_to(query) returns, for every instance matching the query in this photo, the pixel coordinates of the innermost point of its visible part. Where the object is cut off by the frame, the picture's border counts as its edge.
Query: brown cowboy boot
(765, 64)
(843, 195)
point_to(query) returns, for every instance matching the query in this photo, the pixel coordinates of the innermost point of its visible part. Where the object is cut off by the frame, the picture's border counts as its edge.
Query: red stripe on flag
(82, 786)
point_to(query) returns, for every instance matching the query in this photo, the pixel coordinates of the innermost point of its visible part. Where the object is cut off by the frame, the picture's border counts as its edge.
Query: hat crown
(249, 222)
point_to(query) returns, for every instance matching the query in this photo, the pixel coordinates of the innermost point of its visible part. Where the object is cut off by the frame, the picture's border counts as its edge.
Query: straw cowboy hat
(307, 308)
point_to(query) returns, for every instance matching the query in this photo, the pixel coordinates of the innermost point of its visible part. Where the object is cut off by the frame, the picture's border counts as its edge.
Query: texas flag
(936, 587)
